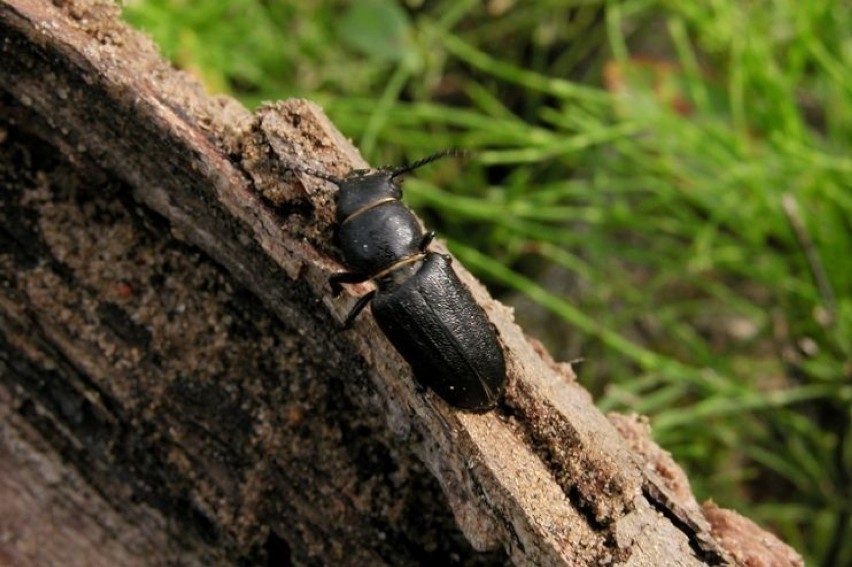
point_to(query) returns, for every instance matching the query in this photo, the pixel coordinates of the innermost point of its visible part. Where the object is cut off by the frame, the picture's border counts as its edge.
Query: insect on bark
(419, 302)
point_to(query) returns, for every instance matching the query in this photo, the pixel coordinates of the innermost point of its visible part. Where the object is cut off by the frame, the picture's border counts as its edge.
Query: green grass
(662, 187)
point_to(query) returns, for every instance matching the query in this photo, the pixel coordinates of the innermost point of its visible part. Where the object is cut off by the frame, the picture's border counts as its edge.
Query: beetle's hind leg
(356, 310)
(336, 280)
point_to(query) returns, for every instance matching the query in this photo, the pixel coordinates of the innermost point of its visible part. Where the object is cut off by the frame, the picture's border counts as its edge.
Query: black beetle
(419, 302)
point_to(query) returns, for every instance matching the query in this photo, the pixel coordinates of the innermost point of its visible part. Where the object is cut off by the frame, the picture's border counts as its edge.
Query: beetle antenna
(399, 170)
(314, 173)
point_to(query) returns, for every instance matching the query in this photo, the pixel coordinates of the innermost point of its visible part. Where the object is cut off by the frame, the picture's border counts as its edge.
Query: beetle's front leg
(427, 240)
(336, 280)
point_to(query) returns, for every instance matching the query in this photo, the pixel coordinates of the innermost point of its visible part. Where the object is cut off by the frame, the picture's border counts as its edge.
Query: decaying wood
(172, 369)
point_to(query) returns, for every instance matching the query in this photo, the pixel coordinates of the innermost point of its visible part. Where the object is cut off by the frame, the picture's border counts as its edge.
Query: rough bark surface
(173, 386)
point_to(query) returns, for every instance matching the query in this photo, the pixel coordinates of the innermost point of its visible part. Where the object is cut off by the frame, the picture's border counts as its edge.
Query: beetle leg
(359, 306)
(427, 240)
(335, 280)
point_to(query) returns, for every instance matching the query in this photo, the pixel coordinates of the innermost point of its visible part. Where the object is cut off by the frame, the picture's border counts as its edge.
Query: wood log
(173, 381)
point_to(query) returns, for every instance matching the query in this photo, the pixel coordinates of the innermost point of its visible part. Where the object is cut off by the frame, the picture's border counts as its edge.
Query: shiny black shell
(379, 237)
(363, 188)
(433, 321)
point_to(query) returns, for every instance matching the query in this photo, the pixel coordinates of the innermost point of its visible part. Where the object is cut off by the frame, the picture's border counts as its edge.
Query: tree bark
(173, 382)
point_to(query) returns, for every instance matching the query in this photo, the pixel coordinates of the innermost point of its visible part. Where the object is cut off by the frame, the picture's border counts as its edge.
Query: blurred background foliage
(661, 189)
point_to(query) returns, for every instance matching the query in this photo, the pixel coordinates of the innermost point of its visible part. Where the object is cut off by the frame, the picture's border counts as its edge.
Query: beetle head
(362, 188)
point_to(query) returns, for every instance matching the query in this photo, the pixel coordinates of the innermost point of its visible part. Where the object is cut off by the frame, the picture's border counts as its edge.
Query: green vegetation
(666, 184)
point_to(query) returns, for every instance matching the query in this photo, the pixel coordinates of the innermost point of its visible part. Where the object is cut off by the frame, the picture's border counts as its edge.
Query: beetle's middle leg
(356, 310)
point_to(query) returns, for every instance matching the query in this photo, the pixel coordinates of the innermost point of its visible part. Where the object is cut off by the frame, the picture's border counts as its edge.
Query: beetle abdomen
(434, 322)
